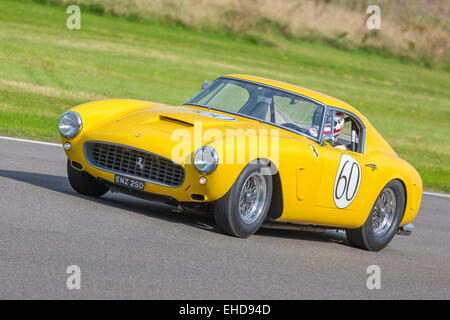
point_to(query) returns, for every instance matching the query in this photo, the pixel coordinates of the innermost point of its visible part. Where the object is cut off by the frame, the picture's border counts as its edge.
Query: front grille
(135, 163)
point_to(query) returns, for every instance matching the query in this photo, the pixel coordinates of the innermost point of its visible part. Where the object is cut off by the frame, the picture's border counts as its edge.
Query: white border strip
(31, 141)
(440, 195)
(433, 194)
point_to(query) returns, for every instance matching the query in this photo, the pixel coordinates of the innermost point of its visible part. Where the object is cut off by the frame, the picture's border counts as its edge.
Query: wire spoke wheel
(384, 211)
(252, 198)
(242, 211)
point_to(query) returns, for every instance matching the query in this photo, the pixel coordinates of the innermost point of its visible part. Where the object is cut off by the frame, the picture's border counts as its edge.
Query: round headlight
(70, 124)
(206, 160)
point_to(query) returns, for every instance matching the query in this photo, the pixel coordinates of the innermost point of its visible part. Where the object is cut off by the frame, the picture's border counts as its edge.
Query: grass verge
(46, 68)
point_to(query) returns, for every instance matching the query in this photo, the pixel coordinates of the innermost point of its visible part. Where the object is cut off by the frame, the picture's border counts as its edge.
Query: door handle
(372, 166)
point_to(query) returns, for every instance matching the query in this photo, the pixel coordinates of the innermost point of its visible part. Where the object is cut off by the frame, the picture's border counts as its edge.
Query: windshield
(267, 104)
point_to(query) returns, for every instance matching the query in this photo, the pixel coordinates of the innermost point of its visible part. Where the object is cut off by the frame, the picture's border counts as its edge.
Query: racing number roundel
(348, 180)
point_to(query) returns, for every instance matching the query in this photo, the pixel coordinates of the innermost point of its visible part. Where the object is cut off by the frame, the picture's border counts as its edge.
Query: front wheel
(243, 209)
(383, 221)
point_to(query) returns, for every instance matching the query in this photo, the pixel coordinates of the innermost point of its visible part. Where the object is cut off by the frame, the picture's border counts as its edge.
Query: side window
(298, 114)
(343, 131)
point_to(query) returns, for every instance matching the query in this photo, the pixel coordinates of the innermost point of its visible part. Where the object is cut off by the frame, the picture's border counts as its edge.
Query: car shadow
(159, 210)
(136, 205)
(318, 236)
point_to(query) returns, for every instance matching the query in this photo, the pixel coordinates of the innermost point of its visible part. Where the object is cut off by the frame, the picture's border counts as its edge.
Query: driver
(338, 122)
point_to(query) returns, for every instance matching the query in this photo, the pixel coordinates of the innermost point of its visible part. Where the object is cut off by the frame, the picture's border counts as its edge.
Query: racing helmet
(338, 124)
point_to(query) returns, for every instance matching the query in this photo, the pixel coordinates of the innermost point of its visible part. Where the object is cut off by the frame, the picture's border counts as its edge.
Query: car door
(346, 172)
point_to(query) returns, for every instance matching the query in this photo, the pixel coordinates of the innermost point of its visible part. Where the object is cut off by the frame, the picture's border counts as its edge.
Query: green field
(46, 68)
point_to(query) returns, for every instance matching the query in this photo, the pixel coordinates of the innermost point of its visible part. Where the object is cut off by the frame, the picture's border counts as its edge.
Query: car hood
(160, 129)
(166, 117)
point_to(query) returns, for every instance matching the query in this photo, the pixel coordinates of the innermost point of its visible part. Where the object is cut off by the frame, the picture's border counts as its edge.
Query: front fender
(234, 156)
(97, 112)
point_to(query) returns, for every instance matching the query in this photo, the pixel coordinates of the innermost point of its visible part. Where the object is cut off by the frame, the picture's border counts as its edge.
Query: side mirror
(205, 84)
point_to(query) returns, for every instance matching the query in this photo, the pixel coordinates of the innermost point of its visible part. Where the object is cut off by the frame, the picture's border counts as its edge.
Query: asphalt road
(131, 248)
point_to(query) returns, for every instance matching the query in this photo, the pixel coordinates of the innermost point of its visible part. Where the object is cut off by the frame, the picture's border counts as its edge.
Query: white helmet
(339, 122)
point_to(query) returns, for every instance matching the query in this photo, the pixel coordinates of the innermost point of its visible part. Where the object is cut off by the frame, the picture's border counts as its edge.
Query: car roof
(323, 98)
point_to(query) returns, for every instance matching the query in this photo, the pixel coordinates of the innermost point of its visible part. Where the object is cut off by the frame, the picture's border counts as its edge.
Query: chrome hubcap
(384, 211)
(252, 198)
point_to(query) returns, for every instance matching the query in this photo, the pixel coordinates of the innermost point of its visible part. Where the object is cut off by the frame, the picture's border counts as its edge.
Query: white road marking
(440, 195)
(427, 193)
(31, 141)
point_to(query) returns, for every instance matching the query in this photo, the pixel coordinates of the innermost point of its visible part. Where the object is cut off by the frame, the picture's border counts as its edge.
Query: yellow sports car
(250, 151)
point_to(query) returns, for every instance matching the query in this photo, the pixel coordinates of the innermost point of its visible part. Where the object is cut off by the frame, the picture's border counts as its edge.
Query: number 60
(348, 180)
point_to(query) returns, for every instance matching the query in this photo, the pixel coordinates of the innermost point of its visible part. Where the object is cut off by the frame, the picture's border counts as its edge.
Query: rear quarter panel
(391, 167)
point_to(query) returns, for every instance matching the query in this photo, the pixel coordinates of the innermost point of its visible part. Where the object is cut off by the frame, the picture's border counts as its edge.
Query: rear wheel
(242, 210)
(383, 221)
(84, 183)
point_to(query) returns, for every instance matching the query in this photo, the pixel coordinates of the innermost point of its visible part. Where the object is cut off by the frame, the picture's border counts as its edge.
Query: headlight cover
(206, 160)
(70, 124)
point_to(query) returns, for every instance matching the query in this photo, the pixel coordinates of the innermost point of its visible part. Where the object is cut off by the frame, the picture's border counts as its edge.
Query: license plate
(129, 182)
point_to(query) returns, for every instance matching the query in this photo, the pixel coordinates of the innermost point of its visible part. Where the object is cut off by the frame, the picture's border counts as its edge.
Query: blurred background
(162, 50)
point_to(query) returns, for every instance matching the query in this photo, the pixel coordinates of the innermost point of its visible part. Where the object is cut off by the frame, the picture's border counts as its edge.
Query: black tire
(366, 237)
(84, 183)
(226, 210)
